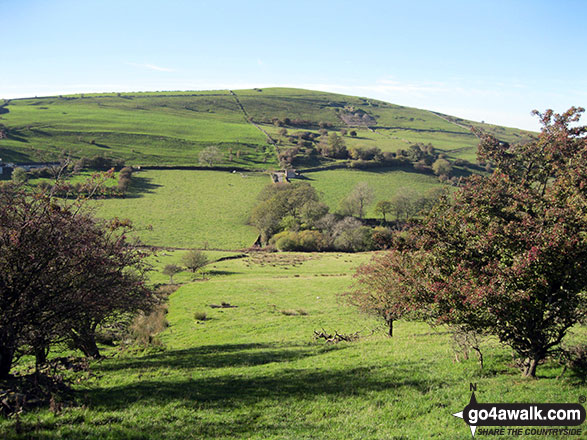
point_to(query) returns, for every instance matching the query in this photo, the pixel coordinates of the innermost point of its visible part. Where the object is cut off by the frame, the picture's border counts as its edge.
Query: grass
(142, 129)
(171, 128)
(253, 372)
(189, 209)
(337, 184)
(210, 209)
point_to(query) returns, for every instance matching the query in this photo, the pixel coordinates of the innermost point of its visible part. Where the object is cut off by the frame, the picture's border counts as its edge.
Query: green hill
(171, 128)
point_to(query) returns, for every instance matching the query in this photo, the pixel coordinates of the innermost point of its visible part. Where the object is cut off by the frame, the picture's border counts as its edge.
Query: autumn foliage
(504, 255)
(62, 273)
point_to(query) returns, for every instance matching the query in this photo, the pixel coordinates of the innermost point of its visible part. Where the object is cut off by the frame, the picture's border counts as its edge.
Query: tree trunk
(41, 353)
(530, 368)
(6, 357)
(84, 339)
(390, 323)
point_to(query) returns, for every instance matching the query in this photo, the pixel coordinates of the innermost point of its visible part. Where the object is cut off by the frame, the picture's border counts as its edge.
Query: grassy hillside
(194, 209)
(255, 372)
(171, 128)
(189, 208)
(334, 185)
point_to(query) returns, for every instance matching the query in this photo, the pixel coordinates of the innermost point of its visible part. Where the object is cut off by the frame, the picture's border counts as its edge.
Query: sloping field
(171, 128)
(254, 371)
(157, 129)
(334, 185)
(192, 209)
(197, 209)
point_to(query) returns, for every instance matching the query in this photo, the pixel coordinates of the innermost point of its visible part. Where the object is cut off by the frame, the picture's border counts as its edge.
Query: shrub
(577, 360)
(19, 175)
(200, 316)
(287, 241)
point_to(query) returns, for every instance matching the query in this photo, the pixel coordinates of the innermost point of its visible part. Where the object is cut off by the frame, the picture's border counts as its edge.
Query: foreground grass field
(200, 209)
(255, 372)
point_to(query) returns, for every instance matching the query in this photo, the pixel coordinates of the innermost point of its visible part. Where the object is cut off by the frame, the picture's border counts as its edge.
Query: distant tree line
(291, 217)
(310, 147)
(57, 178)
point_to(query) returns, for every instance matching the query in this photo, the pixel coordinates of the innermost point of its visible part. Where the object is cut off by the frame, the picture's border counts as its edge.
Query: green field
(253, 372)
(334, 185)
(171, 128)
(189, 209)
(199, 209)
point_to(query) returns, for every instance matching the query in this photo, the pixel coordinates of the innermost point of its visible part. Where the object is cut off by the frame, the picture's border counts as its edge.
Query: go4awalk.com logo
(522, 419)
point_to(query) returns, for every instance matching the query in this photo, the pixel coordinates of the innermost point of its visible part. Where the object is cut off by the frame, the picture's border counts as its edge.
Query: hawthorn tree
(171, 270)
(194, 260)
(61, 272)
(382, 287)
(507, 254)
(211, 155)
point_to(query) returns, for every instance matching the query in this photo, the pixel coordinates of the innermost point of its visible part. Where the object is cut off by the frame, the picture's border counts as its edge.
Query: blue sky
(482, 60)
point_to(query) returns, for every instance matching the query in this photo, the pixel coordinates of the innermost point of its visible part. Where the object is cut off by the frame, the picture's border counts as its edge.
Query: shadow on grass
(219, 356)
(216, 272)
(141, 186)
(236, 390)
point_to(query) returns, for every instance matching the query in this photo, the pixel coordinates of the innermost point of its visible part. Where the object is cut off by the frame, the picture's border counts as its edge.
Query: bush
(382, 238)
(311, 241)
(576, 358)
(19, 175)
(286, 241)
(200, 316)
(306, 240)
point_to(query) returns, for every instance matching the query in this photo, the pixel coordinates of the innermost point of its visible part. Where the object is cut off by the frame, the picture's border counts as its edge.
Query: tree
(333, 146)
(171, 270)
(401, 206)
(298, 202)
(19, 175)
(383, 207)
(441, 167)
(379, 288)
(350, 235)
(194, 260)
(507, 254)
(358, 200)
(60, 269)
(211, 155)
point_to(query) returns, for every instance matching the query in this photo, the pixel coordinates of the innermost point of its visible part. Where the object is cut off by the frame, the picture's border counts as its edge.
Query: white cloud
(152, 67)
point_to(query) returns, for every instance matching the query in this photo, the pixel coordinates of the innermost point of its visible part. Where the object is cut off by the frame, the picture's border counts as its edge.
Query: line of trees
(505, 255)
(310, 146)
(292, 217)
